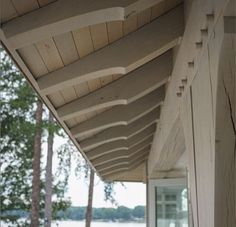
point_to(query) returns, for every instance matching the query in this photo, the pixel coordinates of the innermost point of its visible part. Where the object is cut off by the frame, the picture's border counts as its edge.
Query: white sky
(131, 195)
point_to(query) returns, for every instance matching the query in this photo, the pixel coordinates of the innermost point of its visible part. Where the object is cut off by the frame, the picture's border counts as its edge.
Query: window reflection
(171, 206)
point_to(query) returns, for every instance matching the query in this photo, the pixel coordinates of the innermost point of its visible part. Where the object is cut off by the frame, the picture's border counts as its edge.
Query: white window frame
(152, 184)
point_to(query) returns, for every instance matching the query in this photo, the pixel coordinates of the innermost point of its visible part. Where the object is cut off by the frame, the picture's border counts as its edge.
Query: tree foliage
(17, 105)
(120, 213)
(17, 128)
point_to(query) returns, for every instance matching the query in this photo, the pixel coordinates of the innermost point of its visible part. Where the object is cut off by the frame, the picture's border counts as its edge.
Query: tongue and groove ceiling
(102, 69)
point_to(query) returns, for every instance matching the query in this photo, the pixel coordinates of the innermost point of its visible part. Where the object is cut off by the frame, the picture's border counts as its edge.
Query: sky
(128, 194)
(124, 195)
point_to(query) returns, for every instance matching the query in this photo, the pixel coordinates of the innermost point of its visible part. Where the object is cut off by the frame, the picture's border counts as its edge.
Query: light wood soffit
(130, 158)
(121, 168)
(122, 56)
(120, 162)
(88, 145)
(121, 115)
(124, 132)
(137, 174)
(66, 15)
(116, 146)
(141, 82)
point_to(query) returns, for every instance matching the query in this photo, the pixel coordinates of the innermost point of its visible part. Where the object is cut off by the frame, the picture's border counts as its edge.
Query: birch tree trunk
(48, 188)
(90, 199)
(36, 166)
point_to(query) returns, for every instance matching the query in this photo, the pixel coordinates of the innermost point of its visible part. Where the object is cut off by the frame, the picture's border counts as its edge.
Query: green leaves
(17, 129)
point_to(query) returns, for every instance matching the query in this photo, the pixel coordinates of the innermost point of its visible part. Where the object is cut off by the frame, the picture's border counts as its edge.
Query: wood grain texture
(66, 15)
(141, 82)
(122, 56)
(110, 148)
(130, 141)
(121, 115)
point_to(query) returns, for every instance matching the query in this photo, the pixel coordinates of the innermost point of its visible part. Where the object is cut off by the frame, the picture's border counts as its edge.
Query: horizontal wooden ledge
(126, 90)
(121, 57)
(121, 115)
(66, 15)
(123, 132)
(114, 147)
(86, 146)
(130, 155)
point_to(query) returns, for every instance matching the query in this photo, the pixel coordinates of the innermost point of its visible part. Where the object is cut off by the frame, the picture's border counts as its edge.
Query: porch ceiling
(102, 68)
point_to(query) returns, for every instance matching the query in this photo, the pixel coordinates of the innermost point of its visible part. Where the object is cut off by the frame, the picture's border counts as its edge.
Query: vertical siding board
(187, 122)
(204, 142)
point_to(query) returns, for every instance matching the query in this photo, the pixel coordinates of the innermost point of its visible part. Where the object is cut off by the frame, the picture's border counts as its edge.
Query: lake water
(96, 224)
(82, 224)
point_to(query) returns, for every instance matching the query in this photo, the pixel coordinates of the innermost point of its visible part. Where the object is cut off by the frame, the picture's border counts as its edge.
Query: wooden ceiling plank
(130, 25)
(106, 80)
(7, 11)
(122, 56)
(115, 30)
(121, 115)
(50, 54)
(100, 39)
(141, 82)
(137, 138)
(68, 53)
(33, 60)
(118, 162)
(130, 155)
(144, 17)
(83, 41)
(99, 35)
(123, 131)
(110, 148)
(98, 142)
(122, 168)
(52, 59)
(67, 15)
(84, 44)
(157, 10)
(25, 6)
(66, 47)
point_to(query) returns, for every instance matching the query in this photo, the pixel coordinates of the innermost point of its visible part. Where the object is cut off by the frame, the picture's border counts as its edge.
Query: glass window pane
(171, 206)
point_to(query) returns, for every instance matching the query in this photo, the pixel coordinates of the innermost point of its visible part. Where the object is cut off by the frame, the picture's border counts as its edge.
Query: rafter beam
(121, 168)
(120, 115)
(111, 148)
(141, 82)
(118, 162)
(88, 145)
(124, 132)
(130, 155)
(121, 57)
(67, 15)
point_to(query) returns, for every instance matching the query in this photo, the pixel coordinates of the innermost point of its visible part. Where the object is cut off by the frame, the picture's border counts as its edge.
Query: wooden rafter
(88, 145)
(122, 56)
(121, 115)
(110, 148)
(65, 15)
(141, 82)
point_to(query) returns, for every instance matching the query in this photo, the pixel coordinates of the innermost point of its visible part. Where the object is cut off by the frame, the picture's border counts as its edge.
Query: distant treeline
(120, 213)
